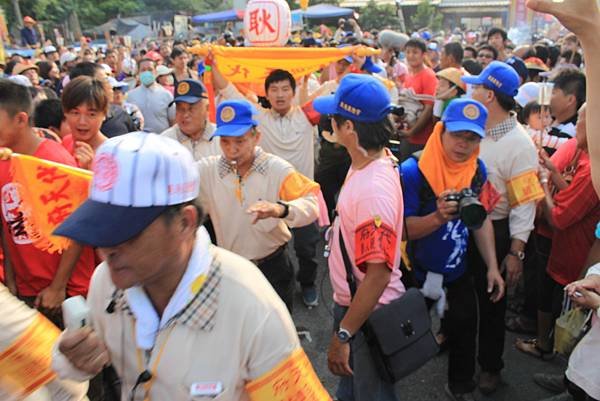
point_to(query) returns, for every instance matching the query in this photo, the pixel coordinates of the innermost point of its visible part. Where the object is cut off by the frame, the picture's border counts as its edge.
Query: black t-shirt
(566, 129)
(117, 122)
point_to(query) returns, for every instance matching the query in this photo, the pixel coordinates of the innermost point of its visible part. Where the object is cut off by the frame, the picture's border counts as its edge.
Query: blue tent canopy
(220, 16)
(326, 11)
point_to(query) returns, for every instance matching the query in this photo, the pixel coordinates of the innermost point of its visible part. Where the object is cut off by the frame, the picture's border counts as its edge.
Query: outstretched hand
(578, 16)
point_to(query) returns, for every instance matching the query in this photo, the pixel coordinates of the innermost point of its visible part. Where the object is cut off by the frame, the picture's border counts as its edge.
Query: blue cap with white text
(360, 97)
(497, 76)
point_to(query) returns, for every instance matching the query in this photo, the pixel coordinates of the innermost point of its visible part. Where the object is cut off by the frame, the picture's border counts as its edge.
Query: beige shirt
(290, 137)
(507, 156)
(226, 197)
(199, 148)
(235, 330)
(16, 319)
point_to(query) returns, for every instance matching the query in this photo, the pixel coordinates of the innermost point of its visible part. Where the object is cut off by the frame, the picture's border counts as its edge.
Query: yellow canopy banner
(291, 380)
(49, 193)
(250, 66)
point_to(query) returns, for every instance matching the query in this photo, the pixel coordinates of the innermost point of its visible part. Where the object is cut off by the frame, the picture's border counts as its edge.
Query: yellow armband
(524, 188)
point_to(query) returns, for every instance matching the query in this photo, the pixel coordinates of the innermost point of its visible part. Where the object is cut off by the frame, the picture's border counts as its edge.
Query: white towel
(147, 321)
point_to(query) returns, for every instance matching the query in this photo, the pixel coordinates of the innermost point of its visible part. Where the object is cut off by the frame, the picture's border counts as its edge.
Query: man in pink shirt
(369, 220)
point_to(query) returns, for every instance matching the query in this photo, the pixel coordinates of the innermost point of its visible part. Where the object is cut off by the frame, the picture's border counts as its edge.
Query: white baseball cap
(67, 57)
(527, 93)
(162, 70)
(137, 176)
(49, 49)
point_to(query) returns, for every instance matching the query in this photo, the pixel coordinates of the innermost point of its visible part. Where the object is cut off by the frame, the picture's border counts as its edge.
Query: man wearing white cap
(51, 54)
(166, 305)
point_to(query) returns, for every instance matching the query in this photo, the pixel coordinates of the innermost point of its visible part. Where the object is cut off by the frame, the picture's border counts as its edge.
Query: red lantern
(267, 23)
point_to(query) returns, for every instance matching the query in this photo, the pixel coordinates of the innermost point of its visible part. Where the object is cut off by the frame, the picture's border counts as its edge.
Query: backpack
(427, 195)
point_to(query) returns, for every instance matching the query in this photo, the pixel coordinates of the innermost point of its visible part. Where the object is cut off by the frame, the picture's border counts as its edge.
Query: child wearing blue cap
(369, 209)
(435, 182)
(512, 162)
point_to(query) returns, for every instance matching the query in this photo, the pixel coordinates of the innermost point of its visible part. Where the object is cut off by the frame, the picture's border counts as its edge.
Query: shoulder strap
(478, 180)
(347, 264)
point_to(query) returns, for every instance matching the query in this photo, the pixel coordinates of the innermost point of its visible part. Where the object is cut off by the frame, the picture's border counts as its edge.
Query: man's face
(118, 97)
(191, 118)
(100, 75)
(181, 61)
(85, 122)
(165, 51)
(33, 76)
(445, 60)
(111, 59)
(469, 54)
(560, 101)
(480, 93)
(147, 66)
(414, 57)
(341, 66)
(434, 55)
(54, 56)
(240, 149)
(484, 57)
(144, 259)
(459, 146)
(280, 95)
(11, 127)
(496, 41)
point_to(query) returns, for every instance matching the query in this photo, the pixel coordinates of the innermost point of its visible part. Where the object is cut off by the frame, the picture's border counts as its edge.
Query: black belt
(272, 256)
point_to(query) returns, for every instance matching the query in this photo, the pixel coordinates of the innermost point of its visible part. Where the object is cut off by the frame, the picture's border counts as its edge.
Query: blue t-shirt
(444, 250)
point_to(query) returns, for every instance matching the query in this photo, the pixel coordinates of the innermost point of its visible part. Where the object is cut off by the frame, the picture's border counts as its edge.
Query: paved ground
(427, 384)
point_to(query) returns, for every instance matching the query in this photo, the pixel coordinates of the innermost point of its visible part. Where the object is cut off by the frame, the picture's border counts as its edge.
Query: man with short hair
(51, 54)
(166, 306)
(452, 56)
(422, 80)
(512, 162)
(288, 133)
(486, 54)
(370, 209)
(431, 180)
(250, 193)
(155, 102)
(568, 95)
(192, 128)
(497, 38)
(118, 121)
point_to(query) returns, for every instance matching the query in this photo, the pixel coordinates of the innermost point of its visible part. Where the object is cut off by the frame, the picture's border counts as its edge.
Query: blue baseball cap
(234, 118)
(368, 66)
(359, 97)
(465, 115)
(189, 91)
(497, 76)
(519, 65)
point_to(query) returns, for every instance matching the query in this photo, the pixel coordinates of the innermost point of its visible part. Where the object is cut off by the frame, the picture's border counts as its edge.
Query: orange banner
(293, 379)
(524, 188)
(250, 66)
(49, 192)
(25, 365)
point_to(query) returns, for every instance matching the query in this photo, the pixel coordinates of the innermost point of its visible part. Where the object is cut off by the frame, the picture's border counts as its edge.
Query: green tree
(427, 16)
(374, 16)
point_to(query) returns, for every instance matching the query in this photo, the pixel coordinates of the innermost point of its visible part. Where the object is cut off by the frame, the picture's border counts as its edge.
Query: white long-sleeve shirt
(508, 152)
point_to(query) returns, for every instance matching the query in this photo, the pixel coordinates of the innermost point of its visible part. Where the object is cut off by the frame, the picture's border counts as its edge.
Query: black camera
(470, 210)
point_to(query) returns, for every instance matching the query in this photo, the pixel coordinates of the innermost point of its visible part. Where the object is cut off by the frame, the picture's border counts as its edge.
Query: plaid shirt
(259, 164)
(200, 312)
(503, 128)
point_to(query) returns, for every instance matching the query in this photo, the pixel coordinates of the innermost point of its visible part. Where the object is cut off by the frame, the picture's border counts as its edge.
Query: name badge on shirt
(206, 389)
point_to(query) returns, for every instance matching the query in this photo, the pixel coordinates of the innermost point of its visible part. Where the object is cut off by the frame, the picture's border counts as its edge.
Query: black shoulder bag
(399, 333)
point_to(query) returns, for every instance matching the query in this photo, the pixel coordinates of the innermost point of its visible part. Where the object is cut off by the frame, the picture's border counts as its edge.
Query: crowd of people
(455, 163)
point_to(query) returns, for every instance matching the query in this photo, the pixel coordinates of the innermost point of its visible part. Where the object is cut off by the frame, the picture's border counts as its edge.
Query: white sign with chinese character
(267, 22)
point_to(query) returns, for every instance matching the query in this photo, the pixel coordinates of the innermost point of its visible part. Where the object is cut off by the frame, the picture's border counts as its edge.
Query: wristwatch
(518, 254)
(286, 209)
(343, 335)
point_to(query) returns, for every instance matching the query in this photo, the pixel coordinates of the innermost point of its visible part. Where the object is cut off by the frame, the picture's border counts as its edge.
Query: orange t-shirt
(34, 268)
(423, 83)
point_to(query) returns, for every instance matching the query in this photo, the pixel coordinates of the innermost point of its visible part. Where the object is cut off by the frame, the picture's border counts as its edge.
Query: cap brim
(187, 99)
(473, 80)
(325, 104)
(233, 130)
(456, 126)
(103, 225)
